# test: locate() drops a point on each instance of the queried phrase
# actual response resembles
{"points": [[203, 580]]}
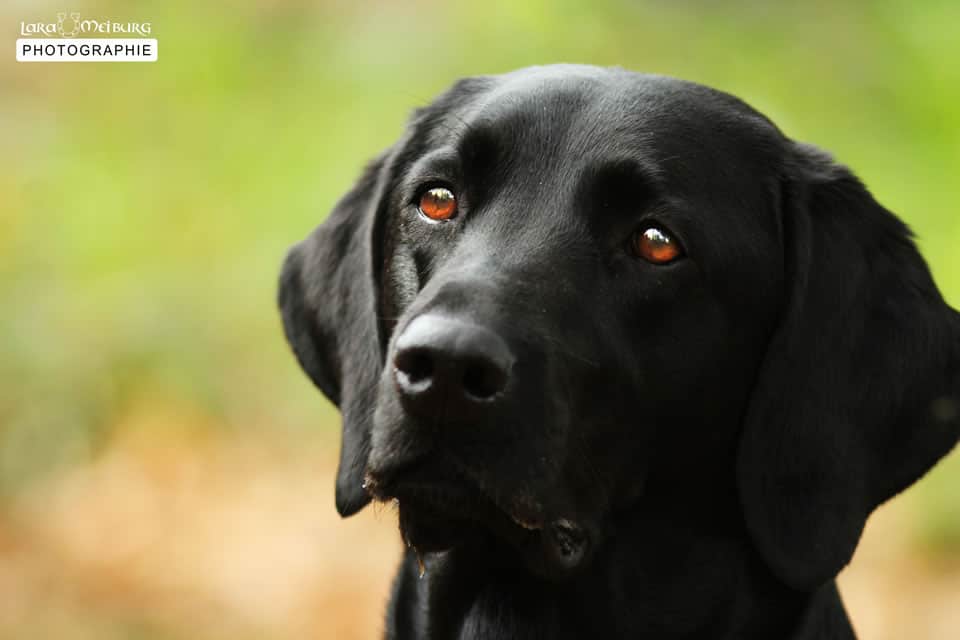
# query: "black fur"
{"points": [[687, 450]]}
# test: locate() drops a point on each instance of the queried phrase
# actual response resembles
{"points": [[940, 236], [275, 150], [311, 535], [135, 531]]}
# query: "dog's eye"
{"points": [[655, 245], [438, 203]]}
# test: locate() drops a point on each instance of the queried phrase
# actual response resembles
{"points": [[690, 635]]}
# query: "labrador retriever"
{"points": [[630, 362]]}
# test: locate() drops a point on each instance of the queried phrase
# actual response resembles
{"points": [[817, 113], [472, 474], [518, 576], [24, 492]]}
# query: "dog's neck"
{"points": [[660, 576]]}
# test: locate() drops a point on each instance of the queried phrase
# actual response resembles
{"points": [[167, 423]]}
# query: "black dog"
{"points": [[632, 363]]}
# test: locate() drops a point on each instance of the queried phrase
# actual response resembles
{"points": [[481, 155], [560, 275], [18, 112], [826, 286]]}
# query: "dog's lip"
{"points": [[412, 481], [431, 492], [552, 546]]}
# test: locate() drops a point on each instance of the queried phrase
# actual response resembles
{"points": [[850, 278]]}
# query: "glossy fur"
{"points": [[710, 434]]}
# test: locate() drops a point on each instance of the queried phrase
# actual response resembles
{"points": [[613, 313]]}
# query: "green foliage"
{"points": [[145, 208]]}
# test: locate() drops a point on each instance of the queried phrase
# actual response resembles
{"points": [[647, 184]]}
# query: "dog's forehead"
{"points": [[596, 114]]}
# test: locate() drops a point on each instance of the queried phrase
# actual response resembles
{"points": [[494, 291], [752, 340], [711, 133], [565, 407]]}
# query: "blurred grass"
{"points": [[145, 208]]}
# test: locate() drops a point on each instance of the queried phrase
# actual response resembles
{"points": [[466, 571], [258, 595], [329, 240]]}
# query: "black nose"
{"points": [[449, 368]]}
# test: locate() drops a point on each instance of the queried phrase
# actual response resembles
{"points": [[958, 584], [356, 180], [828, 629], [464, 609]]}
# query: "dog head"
{"points": [[567, 290]]}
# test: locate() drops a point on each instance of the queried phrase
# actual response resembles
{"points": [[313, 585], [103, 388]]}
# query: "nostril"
{"points": [[483, 380], [417, 364], [448, 367]]}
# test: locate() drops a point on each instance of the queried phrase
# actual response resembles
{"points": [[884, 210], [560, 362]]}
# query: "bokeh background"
{"points": [[166, 471]]}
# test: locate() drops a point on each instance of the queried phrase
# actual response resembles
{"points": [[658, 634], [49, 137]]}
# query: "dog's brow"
{"points": [[479, 146], [623, 181]]}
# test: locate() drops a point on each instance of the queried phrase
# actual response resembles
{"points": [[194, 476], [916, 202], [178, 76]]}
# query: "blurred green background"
{"points": [[145, 209]]}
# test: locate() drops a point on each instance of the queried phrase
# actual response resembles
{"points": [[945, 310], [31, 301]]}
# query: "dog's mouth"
{"points": [[440, 515]]}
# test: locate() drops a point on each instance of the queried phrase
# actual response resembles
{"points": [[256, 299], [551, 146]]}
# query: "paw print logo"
{"points": [[68, 27]]}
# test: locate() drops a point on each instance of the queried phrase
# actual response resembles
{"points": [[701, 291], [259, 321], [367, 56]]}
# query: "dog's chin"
{"points": [[435, 519], [427, 528]]}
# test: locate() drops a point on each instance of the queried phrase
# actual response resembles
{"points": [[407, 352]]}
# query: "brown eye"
{"points": [[655, 245], [438, 203]]}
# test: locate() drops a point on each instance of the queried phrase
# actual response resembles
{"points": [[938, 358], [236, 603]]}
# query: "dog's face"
{"points": [[590, 276], [568, 290]]}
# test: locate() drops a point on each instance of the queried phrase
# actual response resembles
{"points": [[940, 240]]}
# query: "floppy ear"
{"points": [[859, 394], [328, 300]]}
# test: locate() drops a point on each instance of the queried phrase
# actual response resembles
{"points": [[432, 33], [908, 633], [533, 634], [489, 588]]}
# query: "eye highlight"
{"points": [[438, 203], [656, 245]]}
